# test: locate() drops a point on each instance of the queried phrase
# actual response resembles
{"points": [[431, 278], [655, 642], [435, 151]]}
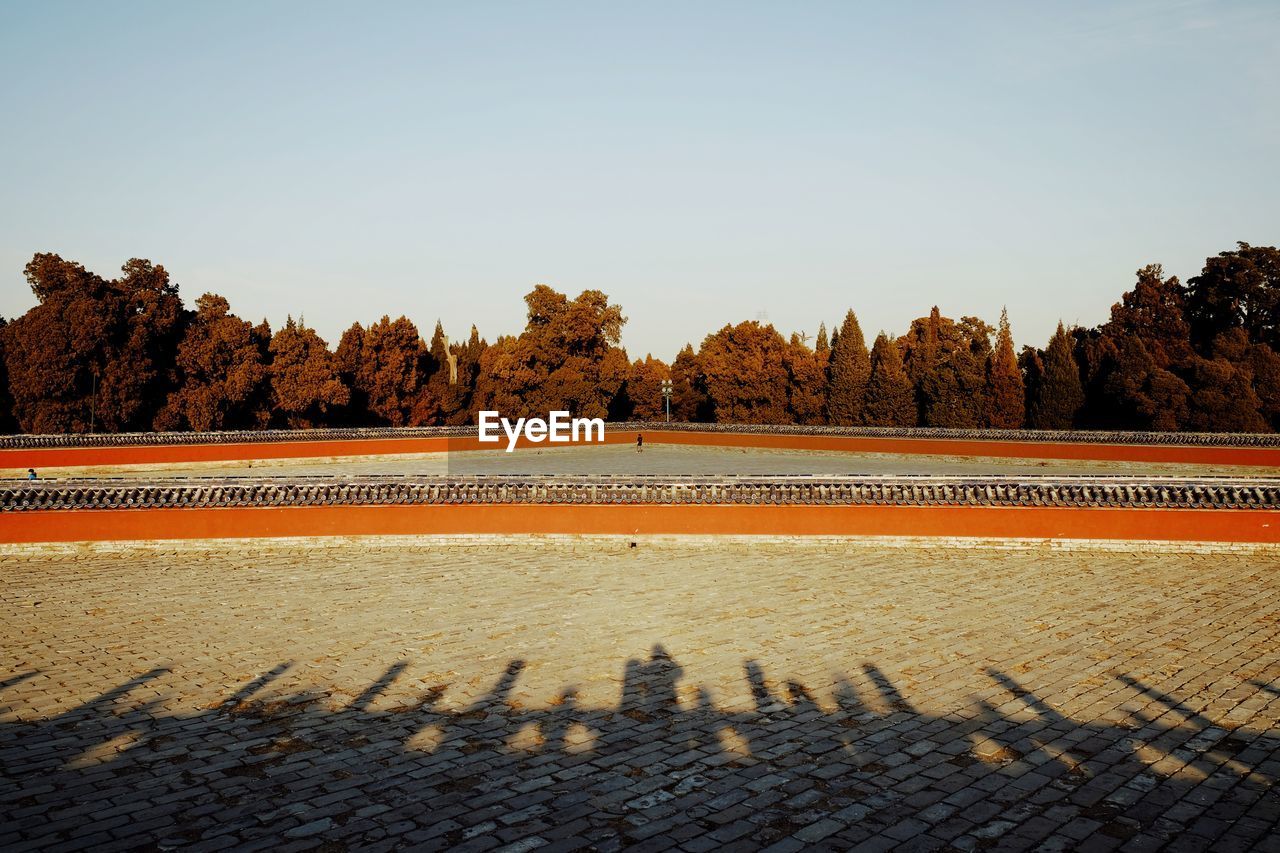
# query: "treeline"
{"points": [[126, 354]]}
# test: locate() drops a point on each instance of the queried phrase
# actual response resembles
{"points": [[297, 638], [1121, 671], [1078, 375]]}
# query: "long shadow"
{"points": [[1273, 689], [651, 773], [245, 693], [18, 679]]}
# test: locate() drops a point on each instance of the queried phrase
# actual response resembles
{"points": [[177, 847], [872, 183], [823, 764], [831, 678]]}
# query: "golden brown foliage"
{"points": [[689, 400], [890, 400], [643, 391], [806, 384], [305, 388], [388, 364], [744, 372], [1005, 396], [566, 359], [94, 353], [222, 372], [123, 354], [946, 362], [848, 372]]}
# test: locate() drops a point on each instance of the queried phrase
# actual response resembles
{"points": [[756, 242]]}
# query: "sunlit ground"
{"points": [[590, 695]]}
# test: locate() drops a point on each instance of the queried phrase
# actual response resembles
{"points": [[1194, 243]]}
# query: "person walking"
{"points": [[639, 442], [31, 474]]}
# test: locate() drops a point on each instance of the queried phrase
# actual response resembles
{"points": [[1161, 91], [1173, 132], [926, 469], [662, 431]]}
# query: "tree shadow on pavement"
{"points": [[1011, 772]]}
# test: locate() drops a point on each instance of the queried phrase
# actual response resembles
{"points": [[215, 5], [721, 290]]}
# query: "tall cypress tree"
{"points": [[849, 372], [937, 392], [440, 397], [1005, 393], [1061, 394], [689, 400], [822, 347], [439, 348], [890, 400]]}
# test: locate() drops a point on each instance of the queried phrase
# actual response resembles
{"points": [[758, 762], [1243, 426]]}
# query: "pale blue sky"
{"points": [[699, 162]]}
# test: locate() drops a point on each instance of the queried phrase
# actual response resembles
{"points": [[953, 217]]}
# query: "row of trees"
{"points": [[126, 354]]}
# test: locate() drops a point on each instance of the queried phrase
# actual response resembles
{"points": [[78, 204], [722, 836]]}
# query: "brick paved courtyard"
{"points": [[592, 697]]}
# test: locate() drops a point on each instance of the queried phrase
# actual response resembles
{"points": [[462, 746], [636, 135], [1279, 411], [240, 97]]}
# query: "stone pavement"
{"points": [[658, 459], [663, 697]]}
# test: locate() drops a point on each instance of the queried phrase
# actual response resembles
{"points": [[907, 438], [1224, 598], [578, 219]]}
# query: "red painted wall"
{"points": [[1179, 525]]}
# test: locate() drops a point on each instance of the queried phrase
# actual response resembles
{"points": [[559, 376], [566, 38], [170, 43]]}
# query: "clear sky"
{"points": [[701, 163]]}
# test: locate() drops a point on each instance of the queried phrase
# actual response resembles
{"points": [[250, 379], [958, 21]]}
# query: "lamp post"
{"points": [[666, 393]]}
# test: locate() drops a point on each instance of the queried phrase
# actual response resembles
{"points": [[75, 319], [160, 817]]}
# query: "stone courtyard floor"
{"points": [[594, 696]]}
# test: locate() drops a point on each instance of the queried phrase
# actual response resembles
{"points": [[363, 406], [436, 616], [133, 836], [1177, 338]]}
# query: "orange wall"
{"points": [[55, 457], [1001, 522]]}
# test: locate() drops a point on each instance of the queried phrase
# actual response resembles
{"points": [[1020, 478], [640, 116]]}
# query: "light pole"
{"points": [[666, 392]]}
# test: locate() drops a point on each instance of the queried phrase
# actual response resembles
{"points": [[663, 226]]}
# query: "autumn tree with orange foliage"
{"points": [[94, 352], [52, 351], [438, 395], [1223, 397], [822, 347], [1143, 369], [1135, 389], [124, 354], [306, 390], [641, 397], [346, 359], [890, 399], [806, 383], [745, 375], [848, 372], [387, 366], [1264, 366], [222, 376], [451, 385], [566, 359], [1005, 396], [1155, 311], [459, 408], [689, 400], [946, 361]]}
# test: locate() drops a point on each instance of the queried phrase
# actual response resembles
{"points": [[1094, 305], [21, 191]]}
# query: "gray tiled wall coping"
{"points": [[819, 490]]}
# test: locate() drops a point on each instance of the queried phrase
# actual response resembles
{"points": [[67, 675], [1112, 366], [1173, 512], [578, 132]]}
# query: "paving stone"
{"points": [[819, 830], [734, 695]]}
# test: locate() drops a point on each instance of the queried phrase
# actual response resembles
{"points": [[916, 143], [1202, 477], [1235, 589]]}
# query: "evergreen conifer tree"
{"points": [[890, 400], [822, 347], [1005, 393], [849, 371], [1061, 393]]}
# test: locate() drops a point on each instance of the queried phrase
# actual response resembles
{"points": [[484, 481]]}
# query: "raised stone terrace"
{"points": [[597, 696]]}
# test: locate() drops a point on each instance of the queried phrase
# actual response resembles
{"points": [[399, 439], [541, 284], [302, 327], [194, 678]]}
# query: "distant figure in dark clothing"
{"points": [[31, 473], [640, 442]]}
